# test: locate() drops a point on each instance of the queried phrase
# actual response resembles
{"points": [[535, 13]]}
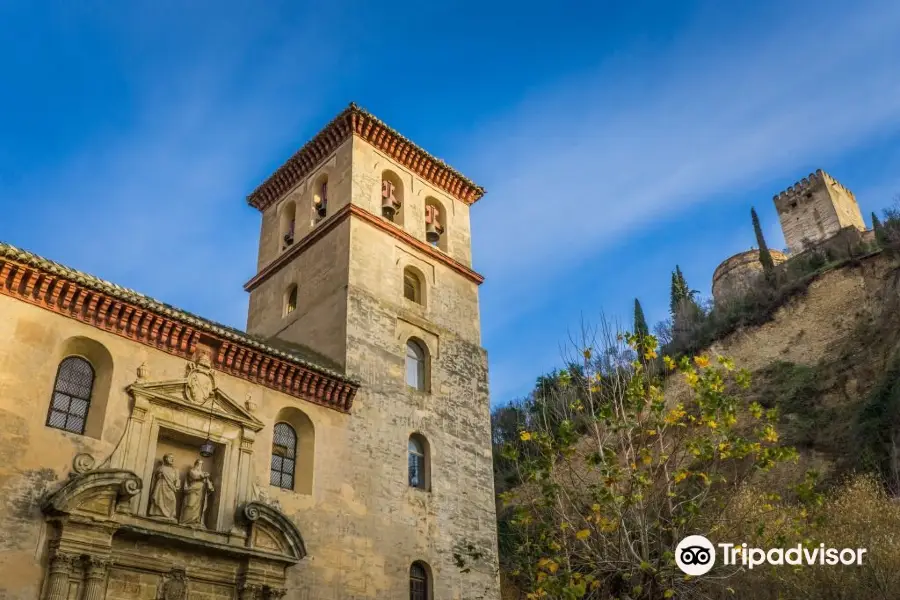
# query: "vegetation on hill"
{"points": [[642, 439]]}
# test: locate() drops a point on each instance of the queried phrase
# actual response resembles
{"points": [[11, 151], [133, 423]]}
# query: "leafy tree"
{"points": [[640, 323], [600, 514], [765, 257]]}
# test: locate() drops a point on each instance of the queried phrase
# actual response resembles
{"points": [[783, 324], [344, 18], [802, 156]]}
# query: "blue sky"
{"points": [[614, 141]]}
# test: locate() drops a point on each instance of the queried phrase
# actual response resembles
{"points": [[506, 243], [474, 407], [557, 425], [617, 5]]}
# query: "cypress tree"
{"points": [[640, 323], [879, 230], [677, 293], [765, 257]]}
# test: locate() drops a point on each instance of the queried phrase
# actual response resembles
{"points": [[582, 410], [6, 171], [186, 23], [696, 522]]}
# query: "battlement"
{"points": [[806, 186], [815, 209]]}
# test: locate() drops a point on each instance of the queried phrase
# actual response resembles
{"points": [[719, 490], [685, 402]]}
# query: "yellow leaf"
{"points": [[670, 364], [583, 534], [669, 594], [587, 354], [650, 354], [525, 436], [680, 476], [701, 361], [712, 424]]}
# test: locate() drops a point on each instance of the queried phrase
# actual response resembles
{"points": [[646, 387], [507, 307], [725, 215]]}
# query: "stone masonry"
{"points": [[76, 521]]}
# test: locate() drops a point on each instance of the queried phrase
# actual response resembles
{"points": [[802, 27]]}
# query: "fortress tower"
{"points": [[815, 209]]}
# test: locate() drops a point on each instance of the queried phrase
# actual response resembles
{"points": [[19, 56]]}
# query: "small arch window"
{"points": [[392, 197], [416, 365], [417, 451], [435, 224], [413, 288], [71, 395], [290, 300], [320, 197], [288, 222], [419, 582], [284, 456]]}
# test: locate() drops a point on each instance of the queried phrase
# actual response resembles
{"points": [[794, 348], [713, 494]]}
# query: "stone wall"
{"points": [[740, 273]]}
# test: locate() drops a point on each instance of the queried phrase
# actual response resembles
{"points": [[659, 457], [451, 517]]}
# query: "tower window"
{"points": [[416, 365], [71, 395], [418, 462], [435, 224], [419, 583], [288, 220], [413, 286], [290, 301], [320, 197], [392, 197], [284, 456]]}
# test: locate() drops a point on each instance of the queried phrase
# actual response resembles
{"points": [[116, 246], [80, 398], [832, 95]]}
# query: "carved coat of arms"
{"points": [[174, 586], [200, 380]]}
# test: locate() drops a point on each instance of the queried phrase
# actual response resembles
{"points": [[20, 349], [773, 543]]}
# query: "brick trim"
{"points": [[390, 228], [75, 297], [356, 121]]}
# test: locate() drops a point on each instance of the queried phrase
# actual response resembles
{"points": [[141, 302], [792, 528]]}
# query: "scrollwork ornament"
{"points": [[83, 463]]}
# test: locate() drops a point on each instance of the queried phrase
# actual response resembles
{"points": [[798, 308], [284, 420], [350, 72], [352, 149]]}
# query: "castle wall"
{"points": [[740, 273]]}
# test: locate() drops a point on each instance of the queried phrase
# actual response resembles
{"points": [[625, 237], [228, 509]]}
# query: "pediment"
{"points": [[184, 394], [96, 492]]}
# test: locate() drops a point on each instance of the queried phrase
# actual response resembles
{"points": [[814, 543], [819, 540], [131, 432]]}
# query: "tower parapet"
{"points": [[814, 209]]}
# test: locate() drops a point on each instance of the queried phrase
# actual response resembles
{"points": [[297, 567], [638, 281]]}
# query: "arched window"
{"points": [[284, 456], [435, 224], [288, 223], [392, 197], [416, 365], [419, 583], [290, 300], [71, 395], [320, 197], [413, 287], [417, 450]]}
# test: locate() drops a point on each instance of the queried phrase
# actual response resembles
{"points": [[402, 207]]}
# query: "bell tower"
{"points": [[365, 262]]}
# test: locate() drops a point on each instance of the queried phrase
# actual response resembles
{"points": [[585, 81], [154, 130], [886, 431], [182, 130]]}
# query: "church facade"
{"points": [[339, 448]]}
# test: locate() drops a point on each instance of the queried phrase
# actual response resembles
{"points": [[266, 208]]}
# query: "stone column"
{"points": [[250, 591], [95, 570], [275, 593], [61, 566]]}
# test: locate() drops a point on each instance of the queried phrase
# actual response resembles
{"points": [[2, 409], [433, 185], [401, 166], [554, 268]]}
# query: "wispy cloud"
{"points": [[647, 136], [158, 204]]}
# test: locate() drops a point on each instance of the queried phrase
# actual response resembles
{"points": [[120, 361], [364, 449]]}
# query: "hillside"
{"points": [[824, 355]]}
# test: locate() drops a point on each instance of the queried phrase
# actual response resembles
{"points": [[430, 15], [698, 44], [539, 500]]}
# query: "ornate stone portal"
{"points": [[149, 523]]}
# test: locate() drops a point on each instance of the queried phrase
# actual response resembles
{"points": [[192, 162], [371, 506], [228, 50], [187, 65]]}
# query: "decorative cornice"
{"points": [[109, 307], [357, 121], [390, 228]]}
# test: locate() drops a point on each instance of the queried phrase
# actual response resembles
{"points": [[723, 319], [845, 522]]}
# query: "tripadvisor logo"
{"points": [[695, 555]]}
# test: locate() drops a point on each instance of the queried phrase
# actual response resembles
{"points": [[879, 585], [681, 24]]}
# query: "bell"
{"points": [[388, 210], [320, 207], [207, 449], [432, 235]]}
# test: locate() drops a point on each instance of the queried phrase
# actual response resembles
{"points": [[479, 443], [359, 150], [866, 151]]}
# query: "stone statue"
{"points": [[197, 489], [163, 499]]}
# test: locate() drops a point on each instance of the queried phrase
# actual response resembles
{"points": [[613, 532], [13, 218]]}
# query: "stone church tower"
{"points": [[339, 449], [365, 257]]}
